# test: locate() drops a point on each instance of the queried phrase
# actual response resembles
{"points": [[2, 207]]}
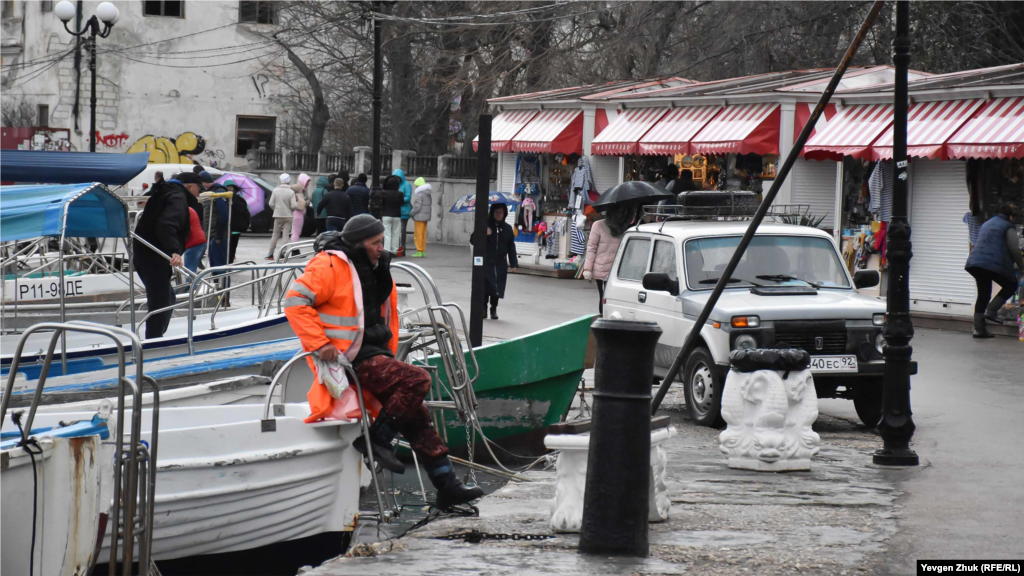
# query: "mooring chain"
{"points": [[476, 536]]}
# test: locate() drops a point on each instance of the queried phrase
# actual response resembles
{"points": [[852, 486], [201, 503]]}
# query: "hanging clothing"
{"points": [[529, 211], [880, 185], [582, 182], [579, 241]]}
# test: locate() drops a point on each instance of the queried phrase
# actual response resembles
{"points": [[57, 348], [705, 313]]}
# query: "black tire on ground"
{"points": [[868, 403], [703, 388]]}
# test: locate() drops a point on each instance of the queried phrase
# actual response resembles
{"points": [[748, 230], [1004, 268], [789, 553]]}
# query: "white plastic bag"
{"points": [[332, 375]]}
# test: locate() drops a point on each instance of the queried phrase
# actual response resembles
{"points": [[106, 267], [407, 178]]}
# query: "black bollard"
{"points": [[617, 499]]}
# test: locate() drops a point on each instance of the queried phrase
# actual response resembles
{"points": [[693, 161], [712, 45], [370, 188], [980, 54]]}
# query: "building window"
{"points": [[254, 133], [260, 12], [44, 115], [8, 8], [164, 8], [46, 5]]}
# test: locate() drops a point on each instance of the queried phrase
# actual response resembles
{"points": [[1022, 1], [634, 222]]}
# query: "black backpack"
{"points": [[239, 214], [376, 205]]}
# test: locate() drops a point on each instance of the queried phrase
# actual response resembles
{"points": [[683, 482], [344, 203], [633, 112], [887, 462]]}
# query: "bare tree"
{"points": [[17, 111]]}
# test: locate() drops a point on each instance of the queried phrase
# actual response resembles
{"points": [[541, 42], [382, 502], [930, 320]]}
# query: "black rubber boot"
{"points": [[992, 311], [450, 490], [980, 330], [382, 433], [494, 312]]}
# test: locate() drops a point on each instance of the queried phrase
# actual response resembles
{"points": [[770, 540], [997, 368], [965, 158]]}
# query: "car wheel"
{"points": [[703, 389], [868, 403]]}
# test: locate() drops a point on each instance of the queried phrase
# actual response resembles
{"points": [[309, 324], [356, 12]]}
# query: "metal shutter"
{"points": [[508, 172], [606, 172], [939, 236], [814, 184]]}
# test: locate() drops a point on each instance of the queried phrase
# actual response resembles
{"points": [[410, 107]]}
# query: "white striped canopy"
{"points": [[743, 129], [621, 136], [672, 134], [996, 131], [552, 131], [929, 125], [850, 133], [504, 127]]}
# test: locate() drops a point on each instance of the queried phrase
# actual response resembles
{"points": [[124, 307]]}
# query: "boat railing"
{"points": [[269, 423], [129, 469]]}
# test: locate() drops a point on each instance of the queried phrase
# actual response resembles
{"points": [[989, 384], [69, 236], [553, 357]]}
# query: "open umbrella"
{"points": [[252, 192], [468, 203], [632, 191]]}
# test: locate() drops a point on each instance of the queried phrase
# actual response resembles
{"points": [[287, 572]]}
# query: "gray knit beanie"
{"points": [[360, 228]]}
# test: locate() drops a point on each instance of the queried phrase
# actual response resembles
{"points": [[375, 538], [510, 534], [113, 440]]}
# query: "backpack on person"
{"points": [[240, 217], [376, 205]]}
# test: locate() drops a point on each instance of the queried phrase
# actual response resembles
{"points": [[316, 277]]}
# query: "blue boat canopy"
{"points": [[43, 167], [38, 210]]}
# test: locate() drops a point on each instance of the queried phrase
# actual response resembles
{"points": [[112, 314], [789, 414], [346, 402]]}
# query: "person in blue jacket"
{"points": [[993, 259], [406, 190]]}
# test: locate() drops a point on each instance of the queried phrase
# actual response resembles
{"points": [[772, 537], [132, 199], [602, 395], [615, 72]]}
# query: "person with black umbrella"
{"points": [[499, 255], [605, 237]]}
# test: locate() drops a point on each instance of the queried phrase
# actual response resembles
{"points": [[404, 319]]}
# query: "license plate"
{"points": [[845, 363]]}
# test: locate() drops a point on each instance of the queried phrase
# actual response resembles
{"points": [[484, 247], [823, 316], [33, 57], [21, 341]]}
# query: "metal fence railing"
{"points": [[465, 167], [268, 160], [334, 163], [303, 161], [422, 166]]}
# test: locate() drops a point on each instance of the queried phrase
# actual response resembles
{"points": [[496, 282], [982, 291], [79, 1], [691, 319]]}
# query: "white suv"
{"points": [[791, 289]]}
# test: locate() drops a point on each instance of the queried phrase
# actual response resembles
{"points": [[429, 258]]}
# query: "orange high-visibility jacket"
{"points": [[325, 306]]}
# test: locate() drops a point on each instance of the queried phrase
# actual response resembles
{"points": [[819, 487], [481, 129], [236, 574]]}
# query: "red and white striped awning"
{"points": [[672, 134], [742, 129], [929, 125], [850, 133], [621, 136], [552, 131], [996, 131], [504, 127]]}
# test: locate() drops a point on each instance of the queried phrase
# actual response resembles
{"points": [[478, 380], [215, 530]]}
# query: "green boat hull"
{"points": [[525, 385]]}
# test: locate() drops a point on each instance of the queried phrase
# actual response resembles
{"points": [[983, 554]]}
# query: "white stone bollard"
{"points": [[769, 419], [571, 482]]}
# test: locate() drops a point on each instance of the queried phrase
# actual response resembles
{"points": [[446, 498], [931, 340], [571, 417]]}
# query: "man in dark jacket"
{"points": [[992, 260], [359, 194], [164, 223], [499, 256], [394, 199], [336, 206]]}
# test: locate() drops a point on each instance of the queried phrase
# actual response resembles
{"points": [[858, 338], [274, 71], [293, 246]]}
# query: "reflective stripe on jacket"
{"points": [[325, 306]]}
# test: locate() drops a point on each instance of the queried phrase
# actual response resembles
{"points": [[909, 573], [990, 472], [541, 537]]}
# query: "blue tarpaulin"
{"points": [[34, 211], [41, 167], [468, 203]]}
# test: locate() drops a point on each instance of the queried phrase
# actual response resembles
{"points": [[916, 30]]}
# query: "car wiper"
{"points": [[730, 281], [786, 277]]}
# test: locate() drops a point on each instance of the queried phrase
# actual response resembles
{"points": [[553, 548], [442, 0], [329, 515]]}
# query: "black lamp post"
{"points": [[106, 13], [378, 88], [897, 425]]}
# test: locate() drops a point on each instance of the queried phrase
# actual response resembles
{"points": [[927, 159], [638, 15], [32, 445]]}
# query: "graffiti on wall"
{"points": [[112, 140], [164, 150]]}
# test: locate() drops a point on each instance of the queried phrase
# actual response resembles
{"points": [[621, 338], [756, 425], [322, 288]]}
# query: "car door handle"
{"points": [[641, 297]]}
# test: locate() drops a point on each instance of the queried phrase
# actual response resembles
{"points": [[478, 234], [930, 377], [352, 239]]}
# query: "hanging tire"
{"points": [[703, 388], [868, 403]]}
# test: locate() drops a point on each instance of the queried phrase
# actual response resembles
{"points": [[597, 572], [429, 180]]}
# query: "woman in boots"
{"points": [[993, 259], [499, 256]]}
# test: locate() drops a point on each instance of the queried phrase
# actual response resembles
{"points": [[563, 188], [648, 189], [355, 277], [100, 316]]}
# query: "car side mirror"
{"points": [[866, 278], [661, 281]]}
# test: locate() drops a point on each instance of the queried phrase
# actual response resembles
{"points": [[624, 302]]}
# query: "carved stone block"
{"points": [[769, 419], [571, 482]]}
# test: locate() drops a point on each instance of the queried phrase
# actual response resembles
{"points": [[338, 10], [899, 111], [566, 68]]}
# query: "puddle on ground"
{"points": [[716, 538]]}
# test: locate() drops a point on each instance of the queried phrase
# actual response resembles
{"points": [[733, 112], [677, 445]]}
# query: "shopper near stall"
{"points": [[605, 236], [993, 259], [499, 255]]}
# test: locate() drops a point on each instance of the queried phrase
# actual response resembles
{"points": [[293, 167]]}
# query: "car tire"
{"points": [[868, 403], [703, 389]]}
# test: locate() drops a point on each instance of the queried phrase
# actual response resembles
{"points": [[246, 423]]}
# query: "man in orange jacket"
{"points": [[345, 303]]}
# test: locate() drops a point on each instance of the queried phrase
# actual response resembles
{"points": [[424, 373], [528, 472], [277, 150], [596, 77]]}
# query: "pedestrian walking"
{"points": [[359, 194], [605, 236], [499, 255], [164, 223], [993, 259], [301, 203], [336, 205], [421, 216], [282, 201], [322, 186], [215, 215], [240, 217], [406, 190], [391, 214]]}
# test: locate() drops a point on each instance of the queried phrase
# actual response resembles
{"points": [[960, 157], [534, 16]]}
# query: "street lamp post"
{"points": [[897, 425], [106, 13]]}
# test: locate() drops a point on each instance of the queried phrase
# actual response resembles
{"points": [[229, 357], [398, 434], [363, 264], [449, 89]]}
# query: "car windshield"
{"points": [[768, 261]]}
